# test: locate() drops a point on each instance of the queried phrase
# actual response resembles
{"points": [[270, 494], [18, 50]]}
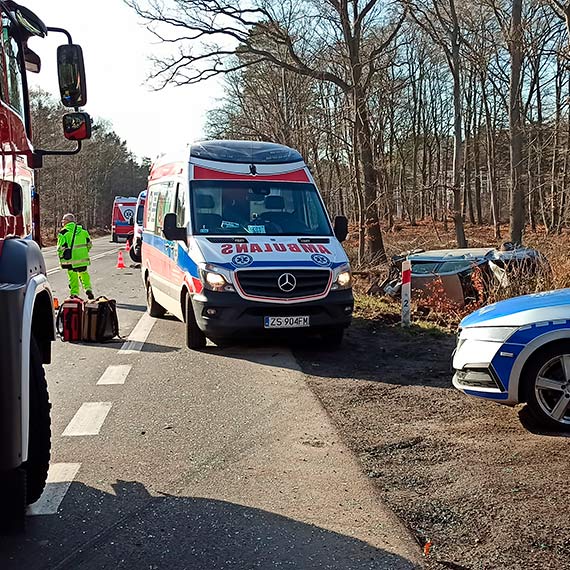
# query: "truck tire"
{"points": [[195, 338], [39, 445], [153, 308]]}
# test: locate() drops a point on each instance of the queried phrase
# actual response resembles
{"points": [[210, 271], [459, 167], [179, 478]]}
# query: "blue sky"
{"points": [[116, 48]]}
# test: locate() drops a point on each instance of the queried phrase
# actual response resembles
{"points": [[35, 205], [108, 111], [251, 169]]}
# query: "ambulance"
{"points": [[123, 217], [237, 242]]}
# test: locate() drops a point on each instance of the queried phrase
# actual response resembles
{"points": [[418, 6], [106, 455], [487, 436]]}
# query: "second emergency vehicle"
{"points": [[237, 241], [123, 218]]}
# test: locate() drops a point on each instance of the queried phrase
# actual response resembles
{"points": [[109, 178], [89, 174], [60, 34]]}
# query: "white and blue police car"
{"points": [[517, 351]]}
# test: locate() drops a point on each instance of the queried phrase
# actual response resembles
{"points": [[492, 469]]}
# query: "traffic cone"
{"points": [[120, 261], [55, 303], [128, 246]]}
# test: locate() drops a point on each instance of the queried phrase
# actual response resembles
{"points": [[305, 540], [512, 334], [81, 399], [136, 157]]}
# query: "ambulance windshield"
{"points": [[224, 207]]}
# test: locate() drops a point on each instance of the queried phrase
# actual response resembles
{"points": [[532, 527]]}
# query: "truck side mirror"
{"points": [[340, 228], [15, 199], [77, 126], [171, 230], [71, 74]]}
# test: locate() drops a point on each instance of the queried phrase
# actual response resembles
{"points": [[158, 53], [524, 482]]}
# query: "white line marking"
{"points": [[115, 374], [138, 336], [94, 258], [60, 477], [88, 420]]}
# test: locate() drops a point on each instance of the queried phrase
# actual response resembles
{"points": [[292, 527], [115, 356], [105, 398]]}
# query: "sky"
{"points": [[116, 47]]}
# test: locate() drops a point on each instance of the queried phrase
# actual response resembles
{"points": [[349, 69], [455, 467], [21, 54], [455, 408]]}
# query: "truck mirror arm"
{"points": [[37, 157]]}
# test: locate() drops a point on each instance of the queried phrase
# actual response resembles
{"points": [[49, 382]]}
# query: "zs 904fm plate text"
{"points": [[286, 322]]}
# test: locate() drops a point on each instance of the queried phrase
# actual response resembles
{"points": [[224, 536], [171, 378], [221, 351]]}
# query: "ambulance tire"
{"points": [[195, 338], [153, 308], [332, 338], [135, 254], [114, 237], [39, 445]]}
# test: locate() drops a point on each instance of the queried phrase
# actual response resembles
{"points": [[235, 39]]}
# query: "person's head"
{"points": [[67, 218]]}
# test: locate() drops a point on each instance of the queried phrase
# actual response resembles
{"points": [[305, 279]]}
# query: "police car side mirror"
{"points": [[71, 75], [340, 228], [171, 230]]}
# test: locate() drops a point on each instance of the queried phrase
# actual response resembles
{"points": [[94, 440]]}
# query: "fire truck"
{"points": [[26, 304]]}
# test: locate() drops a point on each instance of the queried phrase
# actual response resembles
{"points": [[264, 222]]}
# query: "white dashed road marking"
{"points": [[94, 258], [89, 419], [138, 337], [115, 374], [60, 477]]}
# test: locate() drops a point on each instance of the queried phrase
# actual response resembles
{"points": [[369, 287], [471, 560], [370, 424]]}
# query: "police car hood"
{"points": [[520, 311], [261, 251]]}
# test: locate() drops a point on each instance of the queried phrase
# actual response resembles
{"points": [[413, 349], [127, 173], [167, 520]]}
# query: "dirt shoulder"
{"points": [[473, 477]]}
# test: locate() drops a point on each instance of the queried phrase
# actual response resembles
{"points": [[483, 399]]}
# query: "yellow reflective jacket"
{"points": [[79, 251]]}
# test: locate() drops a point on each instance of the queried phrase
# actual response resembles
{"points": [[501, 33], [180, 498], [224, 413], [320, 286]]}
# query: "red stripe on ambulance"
{"points": [[201, 173]]}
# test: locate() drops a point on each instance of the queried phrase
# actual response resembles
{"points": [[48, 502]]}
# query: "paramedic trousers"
{"points": [[74, 277]]}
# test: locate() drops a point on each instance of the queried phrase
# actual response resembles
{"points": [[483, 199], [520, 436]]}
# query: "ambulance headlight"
{"points": [[343, 280], [215, 281]]}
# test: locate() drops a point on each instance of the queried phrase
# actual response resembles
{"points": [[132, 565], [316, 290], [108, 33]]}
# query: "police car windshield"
{"points": [[258, 207]]}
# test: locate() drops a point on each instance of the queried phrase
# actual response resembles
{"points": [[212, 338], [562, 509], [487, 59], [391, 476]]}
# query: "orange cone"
{"points": [[55, 303], [128, 246], [120, 261]]}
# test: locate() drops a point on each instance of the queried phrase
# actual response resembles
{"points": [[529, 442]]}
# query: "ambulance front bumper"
{"points": [[227, 314]]}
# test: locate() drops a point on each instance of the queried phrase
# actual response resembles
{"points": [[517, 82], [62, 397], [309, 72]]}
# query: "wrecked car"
{"points": [[450, 272]]}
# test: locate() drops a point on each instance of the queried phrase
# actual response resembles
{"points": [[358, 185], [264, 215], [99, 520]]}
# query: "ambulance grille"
{"points": [[265, 283]]}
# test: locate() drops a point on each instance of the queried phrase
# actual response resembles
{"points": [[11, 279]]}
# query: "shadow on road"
{"points": [[370, 351], [130, 529]]}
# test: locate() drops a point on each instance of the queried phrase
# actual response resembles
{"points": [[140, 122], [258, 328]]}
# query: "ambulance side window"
{"points": [[164, 204], [181, 210], [153, 196]]}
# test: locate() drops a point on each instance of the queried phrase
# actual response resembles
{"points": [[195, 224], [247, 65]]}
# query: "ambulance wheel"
{"points": [[195, 338], [332, 338], [39, 445], [153, 308], [114, 237], [135, 254]]}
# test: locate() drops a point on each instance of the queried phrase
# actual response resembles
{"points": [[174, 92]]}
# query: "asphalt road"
{"points": [[169, 459]]}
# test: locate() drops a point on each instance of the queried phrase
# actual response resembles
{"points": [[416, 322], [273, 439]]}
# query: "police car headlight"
{"points": [[343, 280], [491, 334]]}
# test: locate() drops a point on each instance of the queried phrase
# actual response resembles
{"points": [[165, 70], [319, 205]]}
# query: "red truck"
{"points": [[26, 305]]}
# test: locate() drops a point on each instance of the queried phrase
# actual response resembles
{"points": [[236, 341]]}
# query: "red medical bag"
{"points": [[70, 319]]}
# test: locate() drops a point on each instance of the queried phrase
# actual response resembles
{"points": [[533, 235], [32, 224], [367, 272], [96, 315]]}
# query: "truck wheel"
{"points": [[332, 338], [547, 386], [39, 445], [195, 338], [153, 308]]}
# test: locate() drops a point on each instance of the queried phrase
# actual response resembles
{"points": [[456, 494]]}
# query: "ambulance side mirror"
{"points": [[71, 75], [340, 228], [171, 230]]}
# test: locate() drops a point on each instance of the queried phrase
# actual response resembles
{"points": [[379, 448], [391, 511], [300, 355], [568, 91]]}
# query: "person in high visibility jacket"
{"points": [[73, 246]]}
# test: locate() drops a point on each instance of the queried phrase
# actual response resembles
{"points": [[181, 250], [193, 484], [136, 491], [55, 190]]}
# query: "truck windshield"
{"points": [[257, 207]]}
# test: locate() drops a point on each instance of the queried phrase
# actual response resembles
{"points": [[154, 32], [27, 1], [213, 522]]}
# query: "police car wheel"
{"points": [[195, 338], [547, 386], [154, 309], [39, 446]]}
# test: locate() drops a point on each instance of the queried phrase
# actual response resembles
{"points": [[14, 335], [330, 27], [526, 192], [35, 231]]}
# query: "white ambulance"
{"points": [[237, 242]]}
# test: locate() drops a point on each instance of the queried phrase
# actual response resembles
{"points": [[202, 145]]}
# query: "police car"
{"points": [[516, 351]]}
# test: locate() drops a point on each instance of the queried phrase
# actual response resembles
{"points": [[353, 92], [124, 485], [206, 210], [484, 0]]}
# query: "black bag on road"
{"points": [[100, 320]]}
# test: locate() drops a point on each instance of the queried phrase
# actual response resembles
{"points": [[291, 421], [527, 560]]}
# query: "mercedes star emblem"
{"points": [[287, 282]]}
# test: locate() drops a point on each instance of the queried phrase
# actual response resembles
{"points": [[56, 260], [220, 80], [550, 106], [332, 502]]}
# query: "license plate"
{"points": [[286, 322]]}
